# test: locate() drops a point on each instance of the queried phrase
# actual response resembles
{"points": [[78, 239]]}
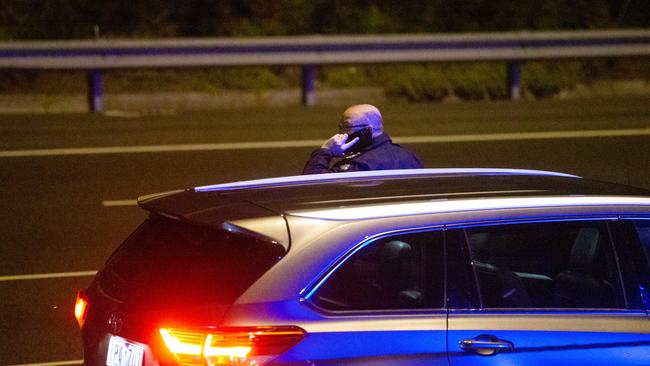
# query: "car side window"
{"points": [[396, 272], [643, 230], [546, 265]]}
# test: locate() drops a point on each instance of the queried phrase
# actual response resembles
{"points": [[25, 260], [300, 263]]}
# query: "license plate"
{"points": [[123, 353]]}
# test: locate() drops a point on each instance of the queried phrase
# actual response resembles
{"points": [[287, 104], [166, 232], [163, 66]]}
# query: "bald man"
{"points": [[361, 144]]}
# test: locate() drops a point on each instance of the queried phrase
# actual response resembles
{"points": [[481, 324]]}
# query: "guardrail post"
{"points": [[514, 79], [308, 85], [95, 103]]}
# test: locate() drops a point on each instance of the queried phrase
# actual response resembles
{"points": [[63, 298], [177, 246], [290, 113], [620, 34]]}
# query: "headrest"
{"points": [[586, 248], [395, 249], [395, 268]]}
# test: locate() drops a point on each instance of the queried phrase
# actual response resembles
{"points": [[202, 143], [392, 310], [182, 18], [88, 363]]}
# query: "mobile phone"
{"points": [[365, 140]]}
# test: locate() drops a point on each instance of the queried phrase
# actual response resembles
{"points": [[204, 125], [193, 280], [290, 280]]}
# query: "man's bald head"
{"points": [[363, 114]]}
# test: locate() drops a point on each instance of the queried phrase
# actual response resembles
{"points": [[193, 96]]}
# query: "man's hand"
{"points": [[337, 144]]}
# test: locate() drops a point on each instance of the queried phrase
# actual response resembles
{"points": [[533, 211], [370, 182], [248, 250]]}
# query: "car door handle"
{"points": [[486, 345]]}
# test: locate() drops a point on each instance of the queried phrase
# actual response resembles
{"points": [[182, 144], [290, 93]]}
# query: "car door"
{"points": [[545, 293], [382, 304]]}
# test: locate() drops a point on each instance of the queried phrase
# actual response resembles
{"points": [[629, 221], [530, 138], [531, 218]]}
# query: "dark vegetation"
{"points": [[87, 19]]}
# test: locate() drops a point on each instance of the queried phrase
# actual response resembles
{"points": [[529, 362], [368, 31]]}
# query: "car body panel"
{"points": [[366, 212], [272, 228], [557, 338], [371, 348], [353, 338]]}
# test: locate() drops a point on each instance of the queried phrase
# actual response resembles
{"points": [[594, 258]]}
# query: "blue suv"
{"points": [[410, 267]]}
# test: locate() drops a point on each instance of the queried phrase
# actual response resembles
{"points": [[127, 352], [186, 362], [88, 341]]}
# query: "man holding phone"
{"points": [[361, 144]]}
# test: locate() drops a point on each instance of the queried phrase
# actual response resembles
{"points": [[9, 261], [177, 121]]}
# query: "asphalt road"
{"points": [[66, 213]]}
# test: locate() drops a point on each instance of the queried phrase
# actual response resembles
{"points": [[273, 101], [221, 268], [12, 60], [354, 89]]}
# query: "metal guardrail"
{"points": [[311, 51]]}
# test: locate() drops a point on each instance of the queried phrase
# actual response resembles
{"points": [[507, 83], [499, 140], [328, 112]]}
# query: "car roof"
{"points": [[326, 192]]}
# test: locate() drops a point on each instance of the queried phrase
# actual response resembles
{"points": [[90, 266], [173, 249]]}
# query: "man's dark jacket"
{"points": [[381, 155]]}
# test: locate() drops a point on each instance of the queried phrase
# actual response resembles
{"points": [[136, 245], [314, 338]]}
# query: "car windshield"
{"points": [[174, 263]]}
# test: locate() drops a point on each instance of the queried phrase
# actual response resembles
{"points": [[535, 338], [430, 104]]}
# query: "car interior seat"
{"points": [[499, 287], [582, 284], [396, 275]]}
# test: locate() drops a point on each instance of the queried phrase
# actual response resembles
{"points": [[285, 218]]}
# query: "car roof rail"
{"points": [[397, 173], [375, 211]]}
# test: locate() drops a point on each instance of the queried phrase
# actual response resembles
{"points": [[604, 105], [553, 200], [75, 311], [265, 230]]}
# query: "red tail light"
{"points": [[81, 308], [229, 346]]}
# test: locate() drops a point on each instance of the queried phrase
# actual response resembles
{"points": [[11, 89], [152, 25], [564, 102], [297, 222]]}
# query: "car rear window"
{"points": [[398, 272], [177, 263]]}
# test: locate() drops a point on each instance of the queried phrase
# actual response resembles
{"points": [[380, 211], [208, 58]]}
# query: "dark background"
{"points": [[51, 214], [64, 19]]}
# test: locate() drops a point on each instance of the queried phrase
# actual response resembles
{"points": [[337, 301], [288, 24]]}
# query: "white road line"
{"points": [[40, 276], [525, 136], [160, 148], [55, 363], [509, 136], [118, 203]]}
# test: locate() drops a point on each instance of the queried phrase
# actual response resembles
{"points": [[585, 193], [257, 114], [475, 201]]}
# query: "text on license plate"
{"points": [[123, 353]]}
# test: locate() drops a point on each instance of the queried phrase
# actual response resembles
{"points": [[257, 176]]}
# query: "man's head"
{"points": [[360, 116]]}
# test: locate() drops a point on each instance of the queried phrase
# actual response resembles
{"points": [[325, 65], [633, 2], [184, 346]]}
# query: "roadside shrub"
{"points": [[343, 76], [31, 81], [544, 79], [415, 83], [477, 81], [154, 80], [631, 68], [192, 80], [408, 82], [434, 82], [244, 78]]}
